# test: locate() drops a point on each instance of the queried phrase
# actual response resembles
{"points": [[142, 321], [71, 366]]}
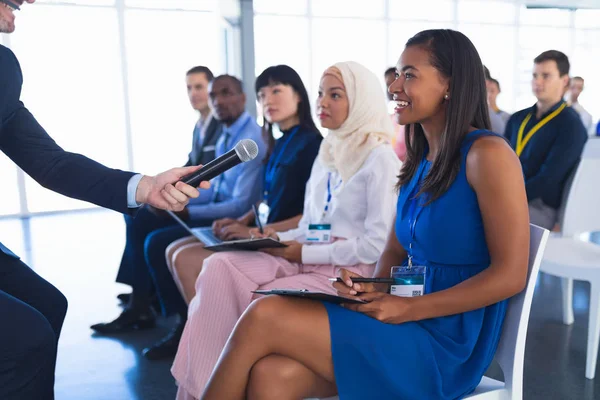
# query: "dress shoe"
{"points": [[124, 298], [129, 320], [167, 346]]}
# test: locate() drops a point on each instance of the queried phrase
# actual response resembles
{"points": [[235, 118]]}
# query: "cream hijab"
{"points": [[368, 124]]}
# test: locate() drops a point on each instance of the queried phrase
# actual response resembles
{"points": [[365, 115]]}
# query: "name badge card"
{"points": [[408, 281], [319, 233]]}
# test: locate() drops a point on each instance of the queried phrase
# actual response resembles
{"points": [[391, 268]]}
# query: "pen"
{"points": [[364, 280], [257, 220]]}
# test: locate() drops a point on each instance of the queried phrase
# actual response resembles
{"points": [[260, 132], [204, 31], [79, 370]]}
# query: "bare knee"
{"points": [[186, 261], [266, 312], [272, 378], [173, 247]]}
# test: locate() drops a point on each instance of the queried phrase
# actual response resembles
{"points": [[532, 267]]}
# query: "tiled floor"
{"points": [[80, 252]]}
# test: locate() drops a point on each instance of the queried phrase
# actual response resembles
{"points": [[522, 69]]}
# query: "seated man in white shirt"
{"points": [[575, 88]]}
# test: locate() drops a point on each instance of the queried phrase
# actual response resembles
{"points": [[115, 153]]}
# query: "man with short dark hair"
{"points": [[575, 88], [207, 129], [548, 138]]}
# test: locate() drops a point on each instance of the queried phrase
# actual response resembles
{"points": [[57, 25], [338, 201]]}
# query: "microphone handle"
{"points": [[212, 169]]}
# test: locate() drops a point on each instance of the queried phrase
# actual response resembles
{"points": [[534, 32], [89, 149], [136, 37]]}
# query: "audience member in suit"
{"points": [[461, 213], [351, 188], [493, 90], [207, 129], [31, 309], [548, 138], [284, 101], [205, 136], [232, 193], [576, 86]]}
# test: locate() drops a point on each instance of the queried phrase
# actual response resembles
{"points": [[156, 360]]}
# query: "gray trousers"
{"points": [[542, 215]]}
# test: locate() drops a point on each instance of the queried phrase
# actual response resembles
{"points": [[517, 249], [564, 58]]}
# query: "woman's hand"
{"points": [[384, 307], [222, 223], [267, 233], [292, 253], [234, 231], [347, 287]]}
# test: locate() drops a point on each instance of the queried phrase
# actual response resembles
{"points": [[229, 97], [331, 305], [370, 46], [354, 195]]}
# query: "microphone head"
{"points": [[246, 149]]}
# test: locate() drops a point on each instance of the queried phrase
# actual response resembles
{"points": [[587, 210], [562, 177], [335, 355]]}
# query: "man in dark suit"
{"points": [[31, 309], [208, 129], [204, 139]]}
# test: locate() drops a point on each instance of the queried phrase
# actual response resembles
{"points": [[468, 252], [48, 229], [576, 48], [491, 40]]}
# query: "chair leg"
{"points": [[567, 301], [593, 331]]}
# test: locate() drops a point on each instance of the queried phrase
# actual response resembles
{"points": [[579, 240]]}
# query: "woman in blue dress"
{"points": [[462, 213]]}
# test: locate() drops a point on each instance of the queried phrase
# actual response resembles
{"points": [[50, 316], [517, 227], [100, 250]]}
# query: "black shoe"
{"points": [[167, 346], [128, 321], [124, 298]]}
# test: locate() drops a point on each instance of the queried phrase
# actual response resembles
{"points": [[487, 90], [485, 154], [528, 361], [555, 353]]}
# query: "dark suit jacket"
{"points": [[204, 152], [25, 142]]}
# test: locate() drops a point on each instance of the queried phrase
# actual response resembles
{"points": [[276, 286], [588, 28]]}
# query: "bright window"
{"points": [[349, 8], [272, 48], [495, 12], [426, 10], [287, 7], [162, 120], [73, 86], [335, 40]]}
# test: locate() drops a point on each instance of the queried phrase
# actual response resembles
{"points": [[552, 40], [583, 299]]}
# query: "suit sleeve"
{"points": [[25, 142]]}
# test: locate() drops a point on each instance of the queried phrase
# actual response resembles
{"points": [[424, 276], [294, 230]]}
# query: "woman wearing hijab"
{"points": [[350, 195]]}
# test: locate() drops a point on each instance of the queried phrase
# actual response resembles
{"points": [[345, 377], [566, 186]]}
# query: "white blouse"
{"points": [[361, 211]]}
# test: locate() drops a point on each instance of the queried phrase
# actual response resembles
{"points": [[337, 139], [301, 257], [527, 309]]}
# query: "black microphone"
{"points": [[244, 151]]}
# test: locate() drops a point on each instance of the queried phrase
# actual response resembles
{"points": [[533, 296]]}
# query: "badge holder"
{"points": [[408, 281]]}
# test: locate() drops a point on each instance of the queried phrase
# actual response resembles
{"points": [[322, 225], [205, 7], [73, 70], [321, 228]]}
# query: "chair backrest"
{"points": [[511, 348], [582, 213]]}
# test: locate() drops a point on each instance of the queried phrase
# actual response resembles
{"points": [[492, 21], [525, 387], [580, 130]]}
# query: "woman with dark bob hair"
{"points": [[462, 227]]}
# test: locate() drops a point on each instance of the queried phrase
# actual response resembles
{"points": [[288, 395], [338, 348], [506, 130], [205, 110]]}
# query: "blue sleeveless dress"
{"points": [[440, 358]]}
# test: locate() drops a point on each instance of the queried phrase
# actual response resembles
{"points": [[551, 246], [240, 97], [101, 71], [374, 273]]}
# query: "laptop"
{"points": [[211, 242], [205, 235]]}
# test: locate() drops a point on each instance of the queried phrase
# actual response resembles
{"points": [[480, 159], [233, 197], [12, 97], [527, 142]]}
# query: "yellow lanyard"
{"points": [[522, 142]]}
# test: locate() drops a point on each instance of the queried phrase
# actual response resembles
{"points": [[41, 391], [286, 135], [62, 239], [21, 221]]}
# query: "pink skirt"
{"points": [[223, 292]]}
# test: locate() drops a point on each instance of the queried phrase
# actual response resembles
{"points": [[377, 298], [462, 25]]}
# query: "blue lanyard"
{"points": [[329, 195], [414, 212], [274, 161]]}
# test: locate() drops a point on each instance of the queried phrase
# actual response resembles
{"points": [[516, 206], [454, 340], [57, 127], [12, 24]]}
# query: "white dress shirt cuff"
{"points": [[132, 186], [316, 254]]}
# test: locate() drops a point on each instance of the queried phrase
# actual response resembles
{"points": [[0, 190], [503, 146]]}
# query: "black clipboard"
{"points": [[246, 245], [306, 294]]}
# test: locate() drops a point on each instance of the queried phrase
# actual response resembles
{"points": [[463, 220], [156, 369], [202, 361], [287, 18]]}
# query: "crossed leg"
{"points": [[280, 348]]}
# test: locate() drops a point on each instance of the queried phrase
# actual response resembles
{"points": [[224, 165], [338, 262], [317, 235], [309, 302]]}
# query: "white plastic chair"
{"points": [[511, 348], [569, 257]]}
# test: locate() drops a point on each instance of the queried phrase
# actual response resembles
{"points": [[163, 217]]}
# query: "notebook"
{"points": [[306, 294]]}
